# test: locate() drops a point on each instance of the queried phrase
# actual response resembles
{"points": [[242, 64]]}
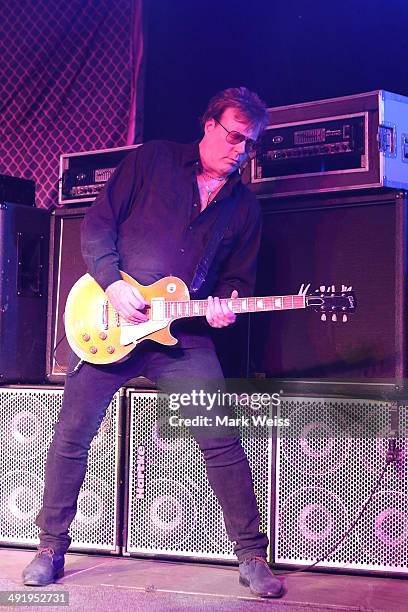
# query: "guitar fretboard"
{"points": [[197, 308]]}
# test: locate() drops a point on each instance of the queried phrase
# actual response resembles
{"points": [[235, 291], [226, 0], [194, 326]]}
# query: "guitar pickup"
{"points": [[157, 309]]}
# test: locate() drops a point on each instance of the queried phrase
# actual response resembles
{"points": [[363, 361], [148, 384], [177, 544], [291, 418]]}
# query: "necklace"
{"points": [[211, 190], [213, 178]]}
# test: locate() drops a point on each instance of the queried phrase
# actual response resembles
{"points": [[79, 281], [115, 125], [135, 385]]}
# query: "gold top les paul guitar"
{"points": [[99, 335]]}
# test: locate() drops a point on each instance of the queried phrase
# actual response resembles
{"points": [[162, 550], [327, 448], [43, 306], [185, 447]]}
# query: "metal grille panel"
{"points": [[180, 515], [328, 460], [27, 417]]}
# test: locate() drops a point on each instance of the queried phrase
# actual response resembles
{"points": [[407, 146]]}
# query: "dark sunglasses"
{"points": [[234, 137]]}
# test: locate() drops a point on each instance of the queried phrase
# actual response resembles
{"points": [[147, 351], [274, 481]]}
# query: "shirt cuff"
{"points": [[108, 277]]}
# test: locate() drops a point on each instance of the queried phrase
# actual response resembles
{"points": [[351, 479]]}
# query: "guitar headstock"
{"points": [[331, 304]]}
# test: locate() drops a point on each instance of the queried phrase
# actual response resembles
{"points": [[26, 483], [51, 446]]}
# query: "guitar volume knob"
{"points": [[93, 350], [103, 335], [86, 337], [110, 349]]}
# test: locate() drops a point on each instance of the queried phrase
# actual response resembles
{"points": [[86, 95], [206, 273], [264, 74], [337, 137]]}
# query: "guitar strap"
{"points": [[205, 262]]}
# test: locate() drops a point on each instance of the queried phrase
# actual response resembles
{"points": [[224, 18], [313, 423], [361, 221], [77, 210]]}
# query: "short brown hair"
{"points": [[247, 103]]}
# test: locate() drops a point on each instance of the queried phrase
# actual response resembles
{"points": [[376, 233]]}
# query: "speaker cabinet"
{"points": [[24, 240], [171, 510], [327, 463], [357, 240], [66, 267], [27, 417]]}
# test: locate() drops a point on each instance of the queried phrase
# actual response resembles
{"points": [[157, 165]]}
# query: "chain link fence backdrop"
{"points": [[70, 79]]}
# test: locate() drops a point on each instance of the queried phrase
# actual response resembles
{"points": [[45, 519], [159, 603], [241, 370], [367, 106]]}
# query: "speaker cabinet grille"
{"points": [[328, 461], [179, 514], [27, 418]]}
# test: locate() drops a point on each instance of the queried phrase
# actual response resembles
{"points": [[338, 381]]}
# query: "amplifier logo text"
{"points": [[140, 472]]}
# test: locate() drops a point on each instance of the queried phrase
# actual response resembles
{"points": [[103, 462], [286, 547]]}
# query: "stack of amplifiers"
{"points": [[27, 418], [83, 175], [354, 142], [311, 480]]}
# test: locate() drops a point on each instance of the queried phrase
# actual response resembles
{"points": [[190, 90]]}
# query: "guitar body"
{"points": [[98, 335]]}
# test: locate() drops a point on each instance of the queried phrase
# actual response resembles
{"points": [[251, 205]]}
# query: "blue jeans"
{"points": [[87, 395]]}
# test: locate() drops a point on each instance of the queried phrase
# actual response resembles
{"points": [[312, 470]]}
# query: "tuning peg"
{"points": [[333, 288], [349, 288], [343, 288], [322, 288], [323, 317], [344, 319], [334, 317], [304, 289]]}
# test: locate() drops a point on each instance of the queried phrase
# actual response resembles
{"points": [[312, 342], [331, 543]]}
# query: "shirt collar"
{"points": [[191, 153], [191, 156]]}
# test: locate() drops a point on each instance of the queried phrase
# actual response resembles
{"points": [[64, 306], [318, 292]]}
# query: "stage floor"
{"points": [[120, 583]]}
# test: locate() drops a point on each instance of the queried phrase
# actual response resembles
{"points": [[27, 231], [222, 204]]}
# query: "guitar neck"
{"points": [[197, 308]]}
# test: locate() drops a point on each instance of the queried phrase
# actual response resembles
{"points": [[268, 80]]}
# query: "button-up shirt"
{"points": [[147, 222]]}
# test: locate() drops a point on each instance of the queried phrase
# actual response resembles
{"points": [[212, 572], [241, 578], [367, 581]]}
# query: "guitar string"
{"points": [[202, 305]]}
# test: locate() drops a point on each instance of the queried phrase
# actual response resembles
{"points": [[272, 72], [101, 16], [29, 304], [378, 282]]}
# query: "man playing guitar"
{"points": [[155, 219]]}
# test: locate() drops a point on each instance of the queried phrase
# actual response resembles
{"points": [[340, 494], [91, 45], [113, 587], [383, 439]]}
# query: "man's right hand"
{"points": [[127, 300]]}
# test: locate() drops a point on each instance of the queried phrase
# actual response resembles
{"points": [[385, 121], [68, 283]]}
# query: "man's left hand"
{"points": [[218, 314]]}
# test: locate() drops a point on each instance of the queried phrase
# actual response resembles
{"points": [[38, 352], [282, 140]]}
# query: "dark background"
{"points": [[288, 51]]}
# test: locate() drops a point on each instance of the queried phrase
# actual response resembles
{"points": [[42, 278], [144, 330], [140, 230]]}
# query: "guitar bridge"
{"points": [[105, 315]]}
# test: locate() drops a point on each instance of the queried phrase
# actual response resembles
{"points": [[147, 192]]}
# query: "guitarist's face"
{"points": [[221, 154]]}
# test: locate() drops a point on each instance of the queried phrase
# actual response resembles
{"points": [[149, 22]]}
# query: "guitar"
{"points": [[99, 335]]}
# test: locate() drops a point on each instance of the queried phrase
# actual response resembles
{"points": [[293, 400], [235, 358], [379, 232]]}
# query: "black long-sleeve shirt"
{"points": [[147, 222]]}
